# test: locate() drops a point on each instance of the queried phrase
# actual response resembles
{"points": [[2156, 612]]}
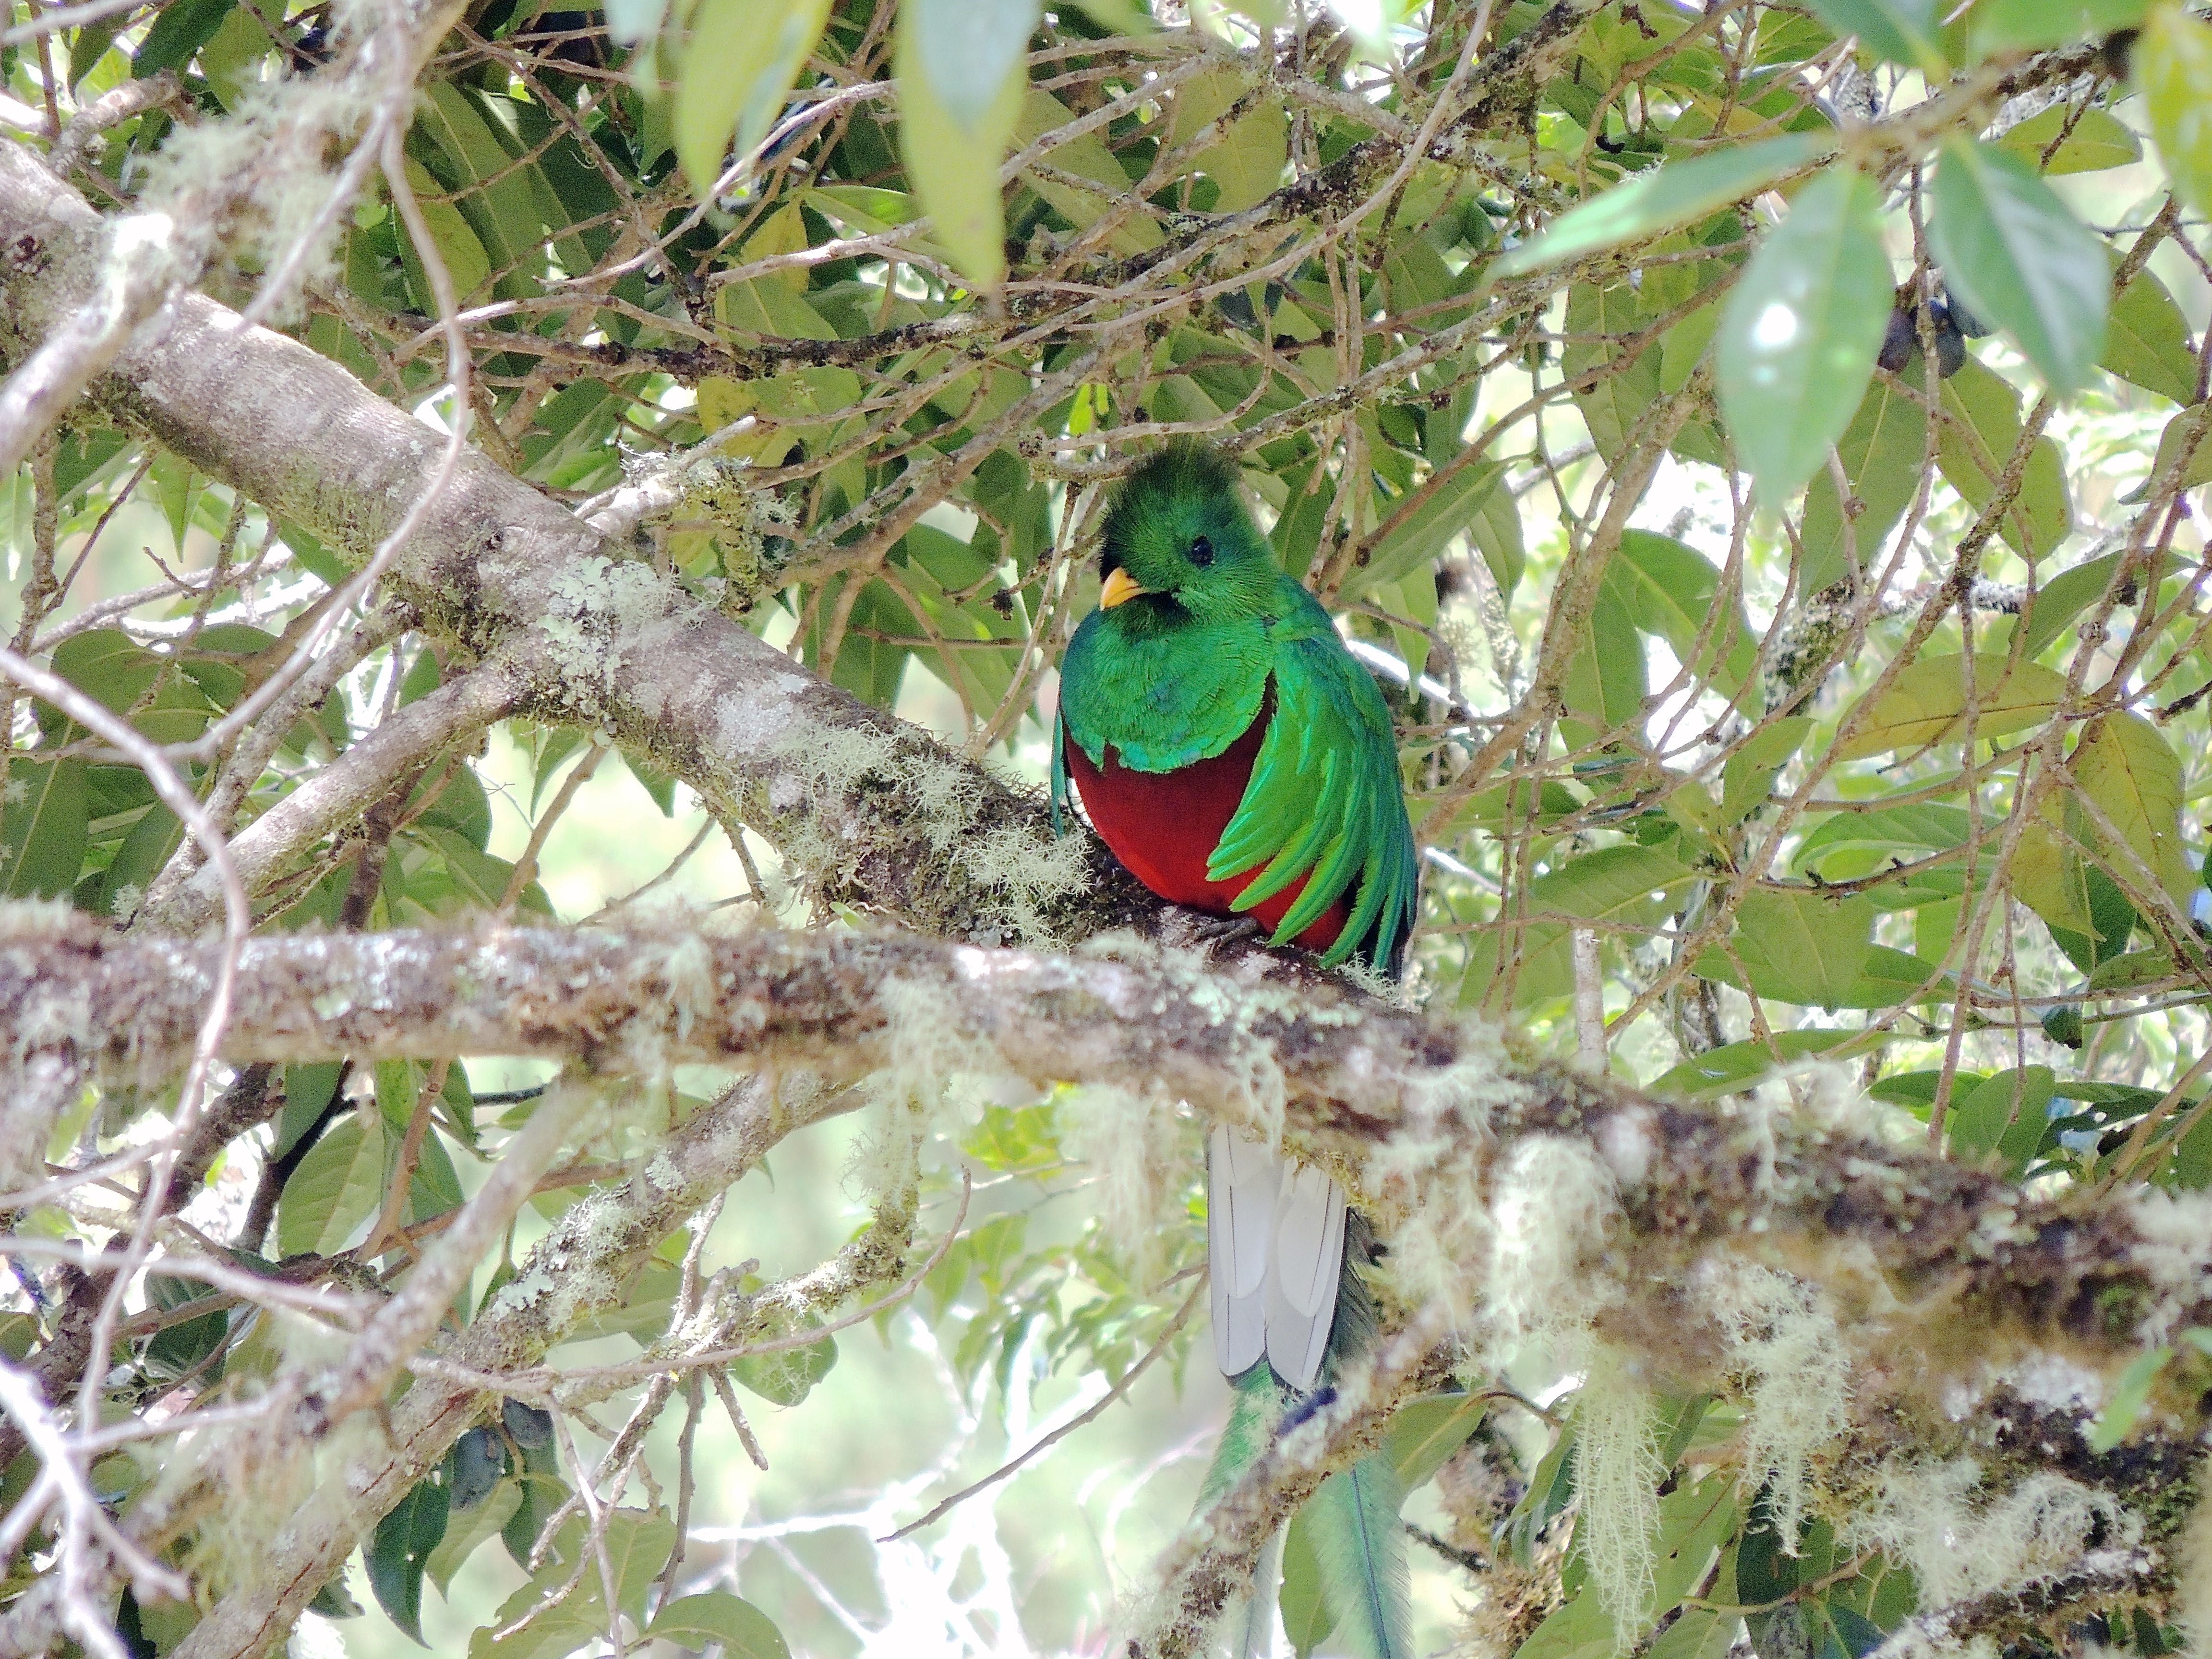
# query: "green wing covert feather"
{"points": [[1325, 802]]}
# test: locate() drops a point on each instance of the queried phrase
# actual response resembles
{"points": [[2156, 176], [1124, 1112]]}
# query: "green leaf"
{"points": [[2063, 598], [1898, 31], [1882, 451], [2130, 1395], [108, 665], [2004, 1117], [1246, 159], [1737, 1065], [1796, 946], [465, 260], [1605, 680], [1579, 1630], [637, 1547], [1749, 772], [788, 1377], [1597, 317], [2030, 25], [2173, 66], [1976, 443], [1798, 345], [2132, 774], [180, 31], [743, 1631], [1926, 703], [1868, 840], [2020, 260], [1669, 589], [1614, 885], [2180, 429], [1307, 1620], [743, 57], [1648, 202], [338, 1185], [2098, 141], [469, 1530], [1423, 1434], [962, 84], [2147, 341], [1422, 536], [1087, 157], [397, 1552], [44, 807]]}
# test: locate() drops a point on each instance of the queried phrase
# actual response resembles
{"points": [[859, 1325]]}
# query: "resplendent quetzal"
{"points": [[1238, 760]]}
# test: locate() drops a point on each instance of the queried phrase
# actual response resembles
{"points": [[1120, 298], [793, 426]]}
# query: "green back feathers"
{"points": [[1177, 674]]}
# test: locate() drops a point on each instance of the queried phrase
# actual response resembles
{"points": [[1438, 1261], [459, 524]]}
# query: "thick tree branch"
{"points": [[1443, 1130]]}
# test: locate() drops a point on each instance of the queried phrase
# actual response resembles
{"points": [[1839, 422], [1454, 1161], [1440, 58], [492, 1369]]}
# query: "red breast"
{"points": [[1164, 825]]}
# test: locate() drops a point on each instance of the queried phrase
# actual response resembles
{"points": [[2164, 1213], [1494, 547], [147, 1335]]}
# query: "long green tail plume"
{"points": [[1351, 1522]]}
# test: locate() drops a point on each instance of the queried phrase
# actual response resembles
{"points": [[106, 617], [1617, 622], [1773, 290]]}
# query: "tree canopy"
{"points": [[535, 976]]}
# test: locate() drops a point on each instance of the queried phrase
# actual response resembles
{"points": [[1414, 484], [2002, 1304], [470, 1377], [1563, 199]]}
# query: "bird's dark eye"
{"points": [[1201, 552]]}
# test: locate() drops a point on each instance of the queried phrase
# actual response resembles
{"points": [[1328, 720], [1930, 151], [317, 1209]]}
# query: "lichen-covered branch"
{"points": [[1456, 1142]]}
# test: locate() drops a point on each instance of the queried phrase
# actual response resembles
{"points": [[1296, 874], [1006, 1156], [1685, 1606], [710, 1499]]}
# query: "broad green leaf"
{"points": [[1899, 30], [2098, 141], [1598, 317], [2051, 878], [1246, 159], [1675, 194], [1682, 348], [2181, 428], [637, 1547], [2029, 25], [44, 806], [2173, 66], [743, 1631], [138, 860], [1699, 1633], [1606, 683], [1423, 1434], [2020, 260], [466, 262], [2148, 342], [1749, 772], [1974, 446], [2004, 1117], [1796, 347], [1850, 844], [1926, 703], [338, 1185], [180, 31], [1669, 589], [1087, 157], [962, 85], [1618, 884], [743, 57], [397, 1550], [492, 192], [2112, 921], [1421, 537], [787, 1376], [2130, 1395], [1738, 1065], [468, 1530], [2132, 774], [108, 665], [1579, 1630], [1796, 946], [1882, 451], [1307, 1620]]}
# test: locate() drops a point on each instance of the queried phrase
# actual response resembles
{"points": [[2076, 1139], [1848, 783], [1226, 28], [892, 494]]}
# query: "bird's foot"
{"points": [[1196, 930]]}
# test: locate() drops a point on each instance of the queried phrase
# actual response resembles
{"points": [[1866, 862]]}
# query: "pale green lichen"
{"points": [[596, 611], [1617, 1476], [1782, 1336], [2174, 1247], [1962, 1541], [1017, 872]]}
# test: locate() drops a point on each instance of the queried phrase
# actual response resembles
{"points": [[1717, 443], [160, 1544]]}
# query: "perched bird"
{"points": [[1238, 760]]}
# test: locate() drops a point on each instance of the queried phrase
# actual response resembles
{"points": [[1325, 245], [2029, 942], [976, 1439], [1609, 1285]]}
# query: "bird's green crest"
{"points": [[1177, 527]]}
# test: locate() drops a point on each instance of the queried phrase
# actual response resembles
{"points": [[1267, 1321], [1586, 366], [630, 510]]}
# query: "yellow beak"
{"points": [[1119, 587]]}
